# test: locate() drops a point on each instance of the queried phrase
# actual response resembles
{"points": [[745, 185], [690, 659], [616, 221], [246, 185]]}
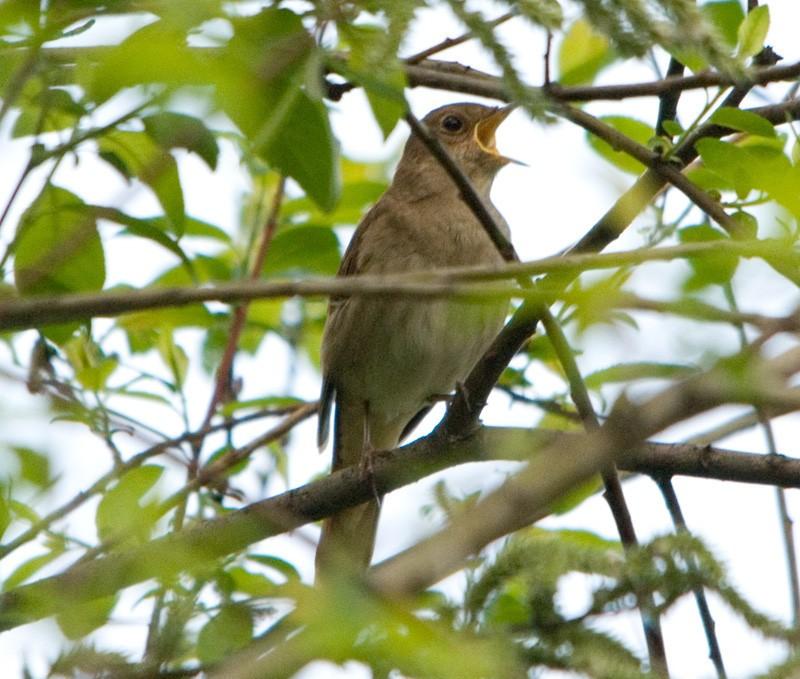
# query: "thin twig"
{"points": [[223, 374], [455, 77], [613, 494], [452, 42], [709, 627], [557, 466], [784, 518], [136, 461]]}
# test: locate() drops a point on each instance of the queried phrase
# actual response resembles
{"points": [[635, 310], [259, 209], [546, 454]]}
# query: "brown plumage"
{"points": [[384, 359]]}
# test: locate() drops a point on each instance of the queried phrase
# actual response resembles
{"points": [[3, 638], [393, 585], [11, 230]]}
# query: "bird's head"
{"points": [[467, 131]]}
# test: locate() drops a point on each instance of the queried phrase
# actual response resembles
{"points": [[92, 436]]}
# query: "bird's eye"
{"points": [[452, 123]]}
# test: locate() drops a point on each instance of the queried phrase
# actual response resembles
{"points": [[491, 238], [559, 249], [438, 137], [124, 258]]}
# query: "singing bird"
{"points": [[385, 359]]}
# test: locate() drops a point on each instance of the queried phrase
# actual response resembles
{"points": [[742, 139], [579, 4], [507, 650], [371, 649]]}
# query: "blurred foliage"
{"points": [[207, 80]]}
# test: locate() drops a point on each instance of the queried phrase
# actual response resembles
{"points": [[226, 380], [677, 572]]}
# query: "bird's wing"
{"points": [[350, 266]]}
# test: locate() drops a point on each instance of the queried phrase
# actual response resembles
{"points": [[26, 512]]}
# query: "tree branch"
{"points": [[561, 461], [32, 312], [527, 496]]}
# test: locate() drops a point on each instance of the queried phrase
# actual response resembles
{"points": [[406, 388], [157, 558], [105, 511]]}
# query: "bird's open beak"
{"points": [[486, 128]]}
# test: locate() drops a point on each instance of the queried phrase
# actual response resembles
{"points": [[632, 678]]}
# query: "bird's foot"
{"points": [[463, 392], [366, 470]]}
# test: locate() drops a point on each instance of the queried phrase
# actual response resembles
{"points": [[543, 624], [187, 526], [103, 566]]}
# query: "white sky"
{"points": [[548, 205]]}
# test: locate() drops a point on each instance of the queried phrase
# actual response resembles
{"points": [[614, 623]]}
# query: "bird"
{"points": [[384, 360]]}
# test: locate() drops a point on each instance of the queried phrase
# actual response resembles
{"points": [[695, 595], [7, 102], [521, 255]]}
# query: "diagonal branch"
{"points": [[560, 461]]}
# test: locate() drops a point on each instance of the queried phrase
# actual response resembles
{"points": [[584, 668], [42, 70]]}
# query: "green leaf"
{"points": [[136, 154], [753, 31], [382, 76], [144, 328], [157, 53], [34, 467], [754, 166], [673, 128], [228, 631], [30, 567], [748, 225], [744, 121], [634, 129], [264, 70], [252, 584], [177, 130], [23, 512], [5, 512], [50, 110], [79, 619], [92, 368], [716, 269], [626, 372], [306, 150], [120, 513], [260, 404], [356, 198], [57, 247], [281, 565], [175, 358], [546, 13], [58, 250], [153, 228], [726, 16], [303, 250], [582, 54]]}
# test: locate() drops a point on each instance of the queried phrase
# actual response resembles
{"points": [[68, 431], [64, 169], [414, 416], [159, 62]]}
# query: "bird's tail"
{"points": [[348, 538]]}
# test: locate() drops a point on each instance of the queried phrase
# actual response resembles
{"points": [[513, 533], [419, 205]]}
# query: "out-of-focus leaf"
{"points": [[303, 249], [144, 328], [626, 372], [157, 53], [568, 501], [92, 368], [5, 511], [252, 584], [745, 121], [50, 110], [281, 565], [546, 13], [509, 606], [154, 229], [178, 130], [715, 269], [356, 197], [753, 31], [34, 467], [174, 357], [144, 159], [383, 77], [79, 619], [23, 512], [306, 150], [120, 514], [726, 16], [754, 166], [201, 229], [748, 225], [582, 54], [30, 567], [635, 129], [265, 67], [205, 269], [57, 250], [260, 404], [228, 631]]}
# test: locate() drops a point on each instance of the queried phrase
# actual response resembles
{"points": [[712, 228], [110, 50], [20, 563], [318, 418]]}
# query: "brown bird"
{"points": [[384, 360]]}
